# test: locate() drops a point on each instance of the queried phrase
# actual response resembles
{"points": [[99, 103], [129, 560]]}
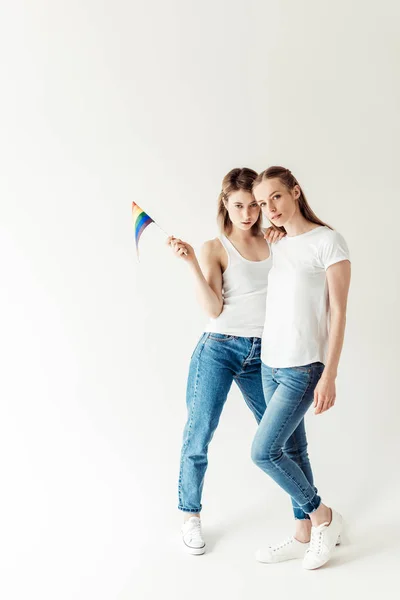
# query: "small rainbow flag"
{"points": [[140, 221]]}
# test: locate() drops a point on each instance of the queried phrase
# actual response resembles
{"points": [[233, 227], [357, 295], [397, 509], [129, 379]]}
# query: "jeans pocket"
{"points": [[220, 337], [303, 369], [202, 339], [319, 368]]}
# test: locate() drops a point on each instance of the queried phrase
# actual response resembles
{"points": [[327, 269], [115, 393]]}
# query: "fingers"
{"points": [[322, 403], [273, 235], [171, 241], [318, 402], [269, 234], [277, 236], [180, 248], [319, 406], [174, 242]]}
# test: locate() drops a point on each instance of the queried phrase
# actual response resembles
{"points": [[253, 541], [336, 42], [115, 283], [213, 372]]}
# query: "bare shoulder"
{"points": [[212, 252], [212, 247]]}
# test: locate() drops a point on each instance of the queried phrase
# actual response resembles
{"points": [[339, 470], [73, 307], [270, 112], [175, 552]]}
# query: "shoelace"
{"points": [[316, 538], [282, 545]]}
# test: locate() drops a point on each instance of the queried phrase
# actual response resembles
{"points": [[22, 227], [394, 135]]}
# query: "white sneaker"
{"points": [[323, 540], [192, 536], [288, 550]]}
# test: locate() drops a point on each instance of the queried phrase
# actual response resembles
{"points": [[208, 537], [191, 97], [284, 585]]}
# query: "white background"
{"points": [[104, 102]]}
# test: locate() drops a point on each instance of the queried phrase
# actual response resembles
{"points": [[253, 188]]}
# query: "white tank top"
{"points": [[244, 288]]}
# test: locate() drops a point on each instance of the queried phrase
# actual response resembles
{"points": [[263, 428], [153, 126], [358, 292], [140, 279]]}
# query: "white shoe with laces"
{"points": [[324, 538], [192, 536], [287, 550]]}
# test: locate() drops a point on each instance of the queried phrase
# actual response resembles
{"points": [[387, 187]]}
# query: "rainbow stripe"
{"points": [[140, 221]]}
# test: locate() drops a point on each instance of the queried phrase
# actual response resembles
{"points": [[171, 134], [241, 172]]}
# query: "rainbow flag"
{"points": [[140, 221]]}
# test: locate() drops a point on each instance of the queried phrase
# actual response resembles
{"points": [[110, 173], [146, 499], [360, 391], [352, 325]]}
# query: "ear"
{"points": [[297, 191]]}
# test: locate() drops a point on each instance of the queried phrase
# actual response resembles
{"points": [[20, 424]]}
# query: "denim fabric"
{"points": [[217, 361], [280, 444]]}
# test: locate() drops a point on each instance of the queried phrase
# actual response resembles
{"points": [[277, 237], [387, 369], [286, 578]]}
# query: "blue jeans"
{"points": [[280, 444], [217, 361]]}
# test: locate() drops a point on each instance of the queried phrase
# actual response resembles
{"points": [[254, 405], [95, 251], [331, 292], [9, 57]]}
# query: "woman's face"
{"points": [[242, 208], [277, 203]]}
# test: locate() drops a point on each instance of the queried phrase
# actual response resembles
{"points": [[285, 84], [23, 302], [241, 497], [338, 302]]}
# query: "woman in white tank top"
{"points": [[232, 286]]}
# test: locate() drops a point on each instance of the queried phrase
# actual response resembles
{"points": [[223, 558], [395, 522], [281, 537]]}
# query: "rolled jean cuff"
{"points": [[311, 505], [190, 510]]}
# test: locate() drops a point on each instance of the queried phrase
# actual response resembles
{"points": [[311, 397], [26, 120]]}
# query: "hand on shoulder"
{"points": [[273, 235]]}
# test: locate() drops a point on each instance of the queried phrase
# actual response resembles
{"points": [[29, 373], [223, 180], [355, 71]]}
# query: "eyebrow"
{"points": [[240, 202], [262, 200]]}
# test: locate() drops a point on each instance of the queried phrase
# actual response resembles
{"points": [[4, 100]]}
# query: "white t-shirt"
{"points": [[297, 307]]}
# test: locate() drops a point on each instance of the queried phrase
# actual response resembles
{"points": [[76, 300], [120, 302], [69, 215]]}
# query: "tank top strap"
{"points": [[224, 242], [233, 254], [267, 242]]}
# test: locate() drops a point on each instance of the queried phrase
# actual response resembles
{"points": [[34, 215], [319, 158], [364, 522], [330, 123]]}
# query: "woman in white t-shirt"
{"points": [[301, 346]]}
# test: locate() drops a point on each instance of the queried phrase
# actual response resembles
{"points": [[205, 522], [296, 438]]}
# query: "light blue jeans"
{"points": [[217, 361], [280, 444]]}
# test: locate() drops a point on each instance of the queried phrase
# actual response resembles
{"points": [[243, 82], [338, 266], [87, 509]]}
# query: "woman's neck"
{"points": [[298, 225], [241, 235]]}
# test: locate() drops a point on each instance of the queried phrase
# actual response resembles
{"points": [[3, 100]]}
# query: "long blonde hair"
{"points": [[289, 181], [237, 179]]}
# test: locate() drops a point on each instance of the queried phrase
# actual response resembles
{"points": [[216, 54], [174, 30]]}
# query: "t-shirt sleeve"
{"points": [[333, 249]]}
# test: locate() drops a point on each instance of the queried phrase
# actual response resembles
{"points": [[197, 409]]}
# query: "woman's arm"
{"points": [[338, 278], [208, 278]]}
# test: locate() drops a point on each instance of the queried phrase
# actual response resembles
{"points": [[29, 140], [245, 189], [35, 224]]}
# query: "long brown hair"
{"points": [[237, 179], [287, 178]]}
